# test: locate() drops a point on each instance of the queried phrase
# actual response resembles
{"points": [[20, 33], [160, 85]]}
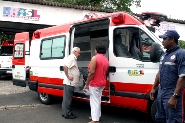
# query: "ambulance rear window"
{"points": [[19, 50]]}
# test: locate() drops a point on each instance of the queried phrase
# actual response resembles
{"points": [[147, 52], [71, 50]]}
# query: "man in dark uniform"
{"points": [[171, 80]]}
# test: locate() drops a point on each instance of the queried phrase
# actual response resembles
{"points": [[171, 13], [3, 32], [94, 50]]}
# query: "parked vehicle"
{"points": [[6, 52], [132, 69]]}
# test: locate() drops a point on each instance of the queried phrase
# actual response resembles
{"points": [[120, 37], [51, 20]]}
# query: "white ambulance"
{"points": [[132, 49], [6, 52]]}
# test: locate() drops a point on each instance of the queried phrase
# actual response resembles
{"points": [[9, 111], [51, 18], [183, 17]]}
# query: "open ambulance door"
{"points": [[18, 61], [83, 62]]}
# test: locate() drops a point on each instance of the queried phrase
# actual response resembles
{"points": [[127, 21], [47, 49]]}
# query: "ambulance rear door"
{"points": [[21, 49]]}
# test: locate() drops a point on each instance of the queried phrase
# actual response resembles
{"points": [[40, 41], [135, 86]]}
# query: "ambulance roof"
{"points": [[64, 28]]}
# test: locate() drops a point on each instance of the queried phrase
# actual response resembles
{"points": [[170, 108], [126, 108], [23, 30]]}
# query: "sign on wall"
{"points": [[22, 13], [166, 26], [180, 28]]}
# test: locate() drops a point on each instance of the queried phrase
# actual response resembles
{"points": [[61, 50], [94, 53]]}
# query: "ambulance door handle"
{"points": [[61, 68], [112, 69], [13, 66]]}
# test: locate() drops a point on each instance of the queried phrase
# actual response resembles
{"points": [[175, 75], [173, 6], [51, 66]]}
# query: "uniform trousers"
{"points": [[166, 114]]}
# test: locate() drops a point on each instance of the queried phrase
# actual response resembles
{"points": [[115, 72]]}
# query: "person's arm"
{"points": [[69, 63], [181, 72], [180, 82], [66, 73], [66, 70], [180, 85], [91, 71], [156, 83]]}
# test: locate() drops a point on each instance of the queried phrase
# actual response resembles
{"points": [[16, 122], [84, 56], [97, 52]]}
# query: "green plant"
{"points": [[182, 44], [120, 5]]}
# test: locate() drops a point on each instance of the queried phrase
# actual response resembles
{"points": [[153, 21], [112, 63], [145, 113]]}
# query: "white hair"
{"points": [[75, 49]]}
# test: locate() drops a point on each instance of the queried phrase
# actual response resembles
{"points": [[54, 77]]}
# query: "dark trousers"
{"points": [[165, 114], [67, 99]]}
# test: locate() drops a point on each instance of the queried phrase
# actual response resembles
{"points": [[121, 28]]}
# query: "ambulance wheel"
{"points": [[44, 98], [153, 109]]}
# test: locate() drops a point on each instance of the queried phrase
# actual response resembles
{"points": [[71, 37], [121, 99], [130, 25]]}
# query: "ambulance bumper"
{"points": [[6, 72], [32, 85]]}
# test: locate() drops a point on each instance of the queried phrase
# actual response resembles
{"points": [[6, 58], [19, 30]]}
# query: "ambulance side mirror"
{"points": [[155, 52]]}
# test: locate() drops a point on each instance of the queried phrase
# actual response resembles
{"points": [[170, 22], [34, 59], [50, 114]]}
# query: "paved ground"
{"points": [[19, 105], [6, 88]]}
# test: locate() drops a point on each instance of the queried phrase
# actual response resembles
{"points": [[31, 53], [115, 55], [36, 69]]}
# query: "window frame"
{"points": [[23, 51], [51, 38], [139, 43]]}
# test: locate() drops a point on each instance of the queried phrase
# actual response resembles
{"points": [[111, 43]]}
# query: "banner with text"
{"points": [[22, 13]]}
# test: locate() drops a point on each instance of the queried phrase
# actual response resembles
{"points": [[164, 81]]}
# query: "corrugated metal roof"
{"points": [[42, 2]]}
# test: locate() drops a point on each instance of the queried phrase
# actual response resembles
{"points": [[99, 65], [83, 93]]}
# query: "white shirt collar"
{"points": [[73, 56]]}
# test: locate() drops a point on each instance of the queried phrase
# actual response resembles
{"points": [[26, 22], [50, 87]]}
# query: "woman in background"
{"points": [[96, 80]]}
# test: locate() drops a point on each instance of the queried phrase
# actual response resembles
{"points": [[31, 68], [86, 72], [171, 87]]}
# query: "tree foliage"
{"points": [[120, 5], [182, 44]]}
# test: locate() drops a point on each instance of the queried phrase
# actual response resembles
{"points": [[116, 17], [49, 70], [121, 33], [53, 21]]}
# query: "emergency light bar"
{"points": [[152, 18], [90, 16], [117, 18]]}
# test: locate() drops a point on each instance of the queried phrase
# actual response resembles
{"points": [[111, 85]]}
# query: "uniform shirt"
{"points": [[73, 71], [172, 66]]}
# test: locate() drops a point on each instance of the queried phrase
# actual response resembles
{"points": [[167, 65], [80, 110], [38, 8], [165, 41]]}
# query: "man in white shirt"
{"points": [[71, 80]]}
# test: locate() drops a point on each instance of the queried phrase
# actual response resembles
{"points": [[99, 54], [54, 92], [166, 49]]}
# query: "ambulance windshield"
{"points": [[6, 51]]}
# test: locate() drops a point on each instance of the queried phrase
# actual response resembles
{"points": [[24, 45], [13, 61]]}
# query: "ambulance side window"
{"points": [[53, 48], [46, 49], [58, 47]]}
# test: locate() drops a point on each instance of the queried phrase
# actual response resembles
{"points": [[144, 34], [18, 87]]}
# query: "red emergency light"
{"points": [[37, 34], [117, 18]]}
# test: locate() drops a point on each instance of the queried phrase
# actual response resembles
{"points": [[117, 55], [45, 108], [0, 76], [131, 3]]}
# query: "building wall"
{"points": [[180, 28], [40, 14]]}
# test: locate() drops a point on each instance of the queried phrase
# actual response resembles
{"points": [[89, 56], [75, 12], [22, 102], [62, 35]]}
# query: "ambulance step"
{"points": [[83, 95]]}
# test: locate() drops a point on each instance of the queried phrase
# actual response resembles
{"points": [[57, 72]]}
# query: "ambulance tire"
{"points": [[153, 109], [44, 98]]}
